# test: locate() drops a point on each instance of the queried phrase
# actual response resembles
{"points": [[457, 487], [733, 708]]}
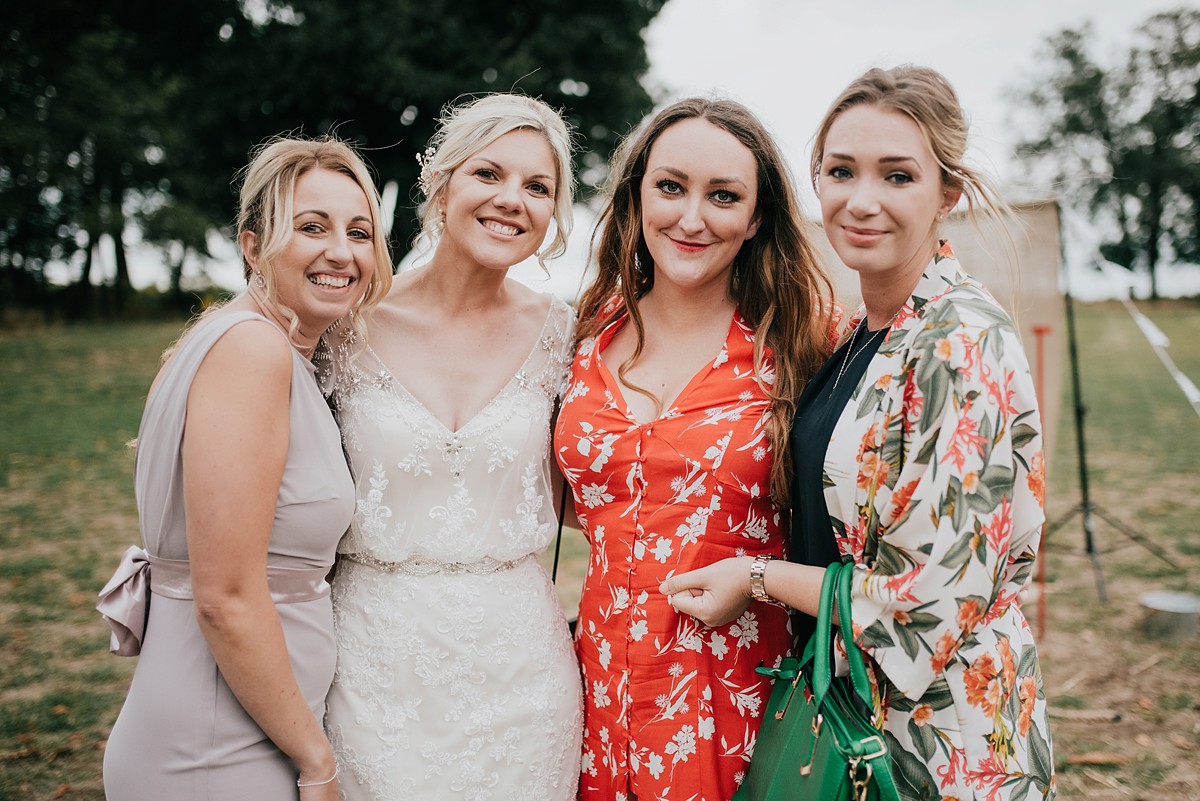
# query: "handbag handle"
{"points": [[835, 589], [858, 668]]}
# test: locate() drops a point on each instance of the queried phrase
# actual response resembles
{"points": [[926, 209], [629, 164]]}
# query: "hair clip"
{"points": [[425, 179]]}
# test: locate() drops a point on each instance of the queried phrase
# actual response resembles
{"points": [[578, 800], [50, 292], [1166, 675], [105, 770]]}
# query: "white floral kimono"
{"points": [[935, 482]]}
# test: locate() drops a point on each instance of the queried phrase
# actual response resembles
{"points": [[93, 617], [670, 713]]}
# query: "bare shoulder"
{"points": [[528, 304]]}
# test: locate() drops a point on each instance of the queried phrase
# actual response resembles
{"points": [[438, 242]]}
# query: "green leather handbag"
{"points": [[813, 742]]}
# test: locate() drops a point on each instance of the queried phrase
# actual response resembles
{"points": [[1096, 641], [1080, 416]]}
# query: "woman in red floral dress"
{"points": [[707, 315]]}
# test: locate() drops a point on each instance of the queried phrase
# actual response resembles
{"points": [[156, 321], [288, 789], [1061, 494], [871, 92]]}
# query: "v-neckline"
{"points": [[605, 338], [454, 432]]}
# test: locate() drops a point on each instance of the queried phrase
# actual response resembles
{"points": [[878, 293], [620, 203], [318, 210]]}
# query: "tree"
{"points": [[86, 95], [379, 72], [147, 109], [1123, 143]]}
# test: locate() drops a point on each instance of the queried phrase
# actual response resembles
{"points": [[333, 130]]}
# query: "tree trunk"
{"points": [[175, 296], [81, 295], [1153, 219], [122, 286]]}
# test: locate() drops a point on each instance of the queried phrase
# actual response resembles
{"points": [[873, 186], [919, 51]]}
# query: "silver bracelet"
{"points": [[318, 784]]}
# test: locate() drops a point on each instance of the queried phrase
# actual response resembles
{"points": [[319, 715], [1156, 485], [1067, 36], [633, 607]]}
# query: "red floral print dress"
{"points": [[671, 707]]}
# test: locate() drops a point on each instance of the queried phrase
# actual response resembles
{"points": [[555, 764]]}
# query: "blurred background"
{"points": [[123, 124]]}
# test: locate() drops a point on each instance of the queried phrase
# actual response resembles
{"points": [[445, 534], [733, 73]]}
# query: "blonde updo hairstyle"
{"points": [[928, 99], [266, 209], [467, 129]]}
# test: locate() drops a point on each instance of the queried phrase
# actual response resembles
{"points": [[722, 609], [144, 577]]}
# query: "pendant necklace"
{"points": [[850, 345]]}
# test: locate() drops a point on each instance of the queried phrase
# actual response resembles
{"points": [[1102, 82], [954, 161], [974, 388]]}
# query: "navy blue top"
{"points": [[817, 412]]}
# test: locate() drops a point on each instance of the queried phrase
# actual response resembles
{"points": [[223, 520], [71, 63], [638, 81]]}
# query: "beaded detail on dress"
{"points": [[462, 683]]}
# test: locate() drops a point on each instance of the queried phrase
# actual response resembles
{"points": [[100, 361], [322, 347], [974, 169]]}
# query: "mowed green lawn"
{"points": [[71, 399]]}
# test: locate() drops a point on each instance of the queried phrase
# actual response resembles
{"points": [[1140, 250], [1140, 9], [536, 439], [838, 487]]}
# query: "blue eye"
{"points": [[669, 187], [900, 178], [726, 197], [839, 173], [486, 174]]}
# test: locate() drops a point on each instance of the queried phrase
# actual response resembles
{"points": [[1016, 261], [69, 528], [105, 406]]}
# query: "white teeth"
{"points": [[337, 281], [501, 228]]}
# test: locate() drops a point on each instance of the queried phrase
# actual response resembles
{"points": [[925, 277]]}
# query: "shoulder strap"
{"points": [[562, 511]]}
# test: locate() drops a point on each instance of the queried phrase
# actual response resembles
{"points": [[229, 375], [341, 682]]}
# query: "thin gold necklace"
{"points": [[849, 345]]}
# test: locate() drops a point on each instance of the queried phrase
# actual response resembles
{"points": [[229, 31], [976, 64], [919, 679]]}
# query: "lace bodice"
{"points": [[425, 491], [451, 684]]}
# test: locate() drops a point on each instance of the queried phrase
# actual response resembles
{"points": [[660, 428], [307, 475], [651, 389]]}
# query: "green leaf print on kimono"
{"points": [[934, 483]]}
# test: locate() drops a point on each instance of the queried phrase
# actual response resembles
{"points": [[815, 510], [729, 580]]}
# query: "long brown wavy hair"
{"points": [[777, 281]]}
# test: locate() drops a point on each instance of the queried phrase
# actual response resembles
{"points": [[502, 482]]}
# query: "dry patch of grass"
{"points": [[1143, 455], [72, 398]]}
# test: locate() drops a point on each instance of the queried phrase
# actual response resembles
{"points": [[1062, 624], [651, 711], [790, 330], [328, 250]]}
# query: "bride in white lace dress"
{"points": [[456, 678]]}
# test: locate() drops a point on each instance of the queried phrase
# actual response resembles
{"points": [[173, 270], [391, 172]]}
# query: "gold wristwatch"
{"points": [[758, 587]]}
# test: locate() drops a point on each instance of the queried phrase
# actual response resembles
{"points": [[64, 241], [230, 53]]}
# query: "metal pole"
{"points": [[1085, 506]]}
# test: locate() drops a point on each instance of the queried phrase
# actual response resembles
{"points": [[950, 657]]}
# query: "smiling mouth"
{"points": [[500, 228], [690, 247], [331, 281]]}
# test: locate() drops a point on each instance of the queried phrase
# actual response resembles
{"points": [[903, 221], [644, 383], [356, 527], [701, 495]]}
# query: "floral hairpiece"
{"points": [[425, 179]]}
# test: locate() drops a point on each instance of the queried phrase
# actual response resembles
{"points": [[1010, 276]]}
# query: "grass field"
{"points": [[72, 397]]}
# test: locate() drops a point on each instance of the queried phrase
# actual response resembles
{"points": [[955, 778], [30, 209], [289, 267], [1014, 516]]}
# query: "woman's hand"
{"points": [[714, 595]]}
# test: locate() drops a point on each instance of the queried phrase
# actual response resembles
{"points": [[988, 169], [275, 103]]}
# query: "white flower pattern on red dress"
{"points": [[673, 707]]}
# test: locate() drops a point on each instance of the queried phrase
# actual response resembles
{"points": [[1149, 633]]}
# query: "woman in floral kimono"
{"points": [[933, 478], [705, 318]]}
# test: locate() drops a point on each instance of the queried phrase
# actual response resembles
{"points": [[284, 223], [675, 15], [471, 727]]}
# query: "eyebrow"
{"points": [[541, 176], [883, 160], [325, 215], [713, 182]]}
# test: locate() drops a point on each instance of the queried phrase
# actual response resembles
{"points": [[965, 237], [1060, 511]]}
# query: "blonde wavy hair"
{"points": [[266, 208]]}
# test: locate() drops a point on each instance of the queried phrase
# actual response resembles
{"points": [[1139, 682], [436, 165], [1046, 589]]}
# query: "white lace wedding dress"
{"points": [[455, 678]]}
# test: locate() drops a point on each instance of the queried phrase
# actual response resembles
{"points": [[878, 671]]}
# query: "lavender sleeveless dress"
{"points": [[181, 734]]}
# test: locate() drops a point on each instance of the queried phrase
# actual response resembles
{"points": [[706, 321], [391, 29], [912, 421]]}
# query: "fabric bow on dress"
{"points": [[125, 602]]}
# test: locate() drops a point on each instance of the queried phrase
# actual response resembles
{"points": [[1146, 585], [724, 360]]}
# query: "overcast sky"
{"points": [[788, 59]]}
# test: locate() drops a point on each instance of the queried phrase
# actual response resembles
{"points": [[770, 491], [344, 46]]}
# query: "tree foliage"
{"points": [[1123, 142], [142, 111]]}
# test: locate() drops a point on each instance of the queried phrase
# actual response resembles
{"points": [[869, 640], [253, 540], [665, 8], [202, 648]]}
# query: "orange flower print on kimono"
{"points": [[935, 483], [671, 708]]}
